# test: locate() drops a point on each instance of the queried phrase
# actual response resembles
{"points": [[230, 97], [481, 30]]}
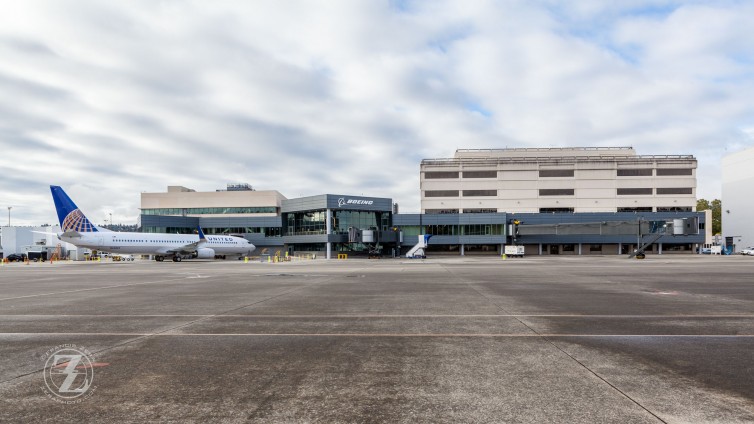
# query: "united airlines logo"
{"points": [[342, 202], [69, 374], [76, 221]]}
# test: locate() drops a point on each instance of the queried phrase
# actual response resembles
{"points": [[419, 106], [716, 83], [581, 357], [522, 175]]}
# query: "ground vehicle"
{"points": [[514, 251], [37, 256], [748, 251], [123, 258], [705, 250], [16, 257]]}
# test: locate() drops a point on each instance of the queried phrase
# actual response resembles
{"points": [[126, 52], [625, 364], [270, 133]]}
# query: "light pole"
{"points": [[9, 208], [111, 220]]}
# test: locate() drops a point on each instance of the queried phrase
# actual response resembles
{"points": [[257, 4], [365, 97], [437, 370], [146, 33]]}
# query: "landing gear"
{"points": [[159, 258], [176, 258]]}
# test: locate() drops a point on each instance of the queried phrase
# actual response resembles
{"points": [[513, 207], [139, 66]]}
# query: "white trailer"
{"points": [[515, 251]]}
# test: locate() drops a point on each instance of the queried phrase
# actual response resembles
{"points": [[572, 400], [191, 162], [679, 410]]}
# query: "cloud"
{"points": [[112, 99]]}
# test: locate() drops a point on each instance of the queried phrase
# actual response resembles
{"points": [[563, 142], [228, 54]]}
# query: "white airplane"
{"points": [[79, 231]]}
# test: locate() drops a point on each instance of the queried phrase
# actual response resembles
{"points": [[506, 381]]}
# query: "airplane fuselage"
{"points": [[160, 244]]}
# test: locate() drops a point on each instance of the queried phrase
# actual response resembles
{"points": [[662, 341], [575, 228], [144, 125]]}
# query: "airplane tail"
{"points": [[201, 234], [69, 215]]}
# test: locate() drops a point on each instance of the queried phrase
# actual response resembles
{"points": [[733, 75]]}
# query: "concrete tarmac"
{"points": [[449, 339]]}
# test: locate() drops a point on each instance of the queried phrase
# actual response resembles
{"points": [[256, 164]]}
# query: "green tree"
{"points": [[716, 206]]}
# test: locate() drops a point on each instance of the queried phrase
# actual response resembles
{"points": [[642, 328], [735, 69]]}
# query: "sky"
{"points": [[110, 99]]}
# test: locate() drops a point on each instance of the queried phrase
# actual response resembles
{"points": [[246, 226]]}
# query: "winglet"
{"points": [[201, 234]]}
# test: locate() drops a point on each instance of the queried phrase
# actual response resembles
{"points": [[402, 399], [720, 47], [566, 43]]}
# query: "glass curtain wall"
{"points": [[361, 220], [305, 223]]}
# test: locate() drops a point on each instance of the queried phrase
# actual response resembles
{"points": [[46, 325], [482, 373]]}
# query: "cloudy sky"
{"points": [[112, 98]]}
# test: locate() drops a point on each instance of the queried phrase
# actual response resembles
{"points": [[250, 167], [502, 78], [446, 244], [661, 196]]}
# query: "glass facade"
{"points": [[169, 230], [455, 230], [305, 223], [361, 219], [209, 211], [314, 222], [267, 231]]}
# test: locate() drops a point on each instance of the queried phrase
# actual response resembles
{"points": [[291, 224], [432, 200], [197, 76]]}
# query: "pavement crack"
{"points": [[553, 344]]}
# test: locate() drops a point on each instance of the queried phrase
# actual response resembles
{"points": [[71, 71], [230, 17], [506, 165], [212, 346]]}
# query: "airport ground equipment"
{"points": [[419, 250], [514, 251]]}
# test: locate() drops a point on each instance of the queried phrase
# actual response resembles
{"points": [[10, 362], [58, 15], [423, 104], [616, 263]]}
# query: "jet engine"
{"points": [[205, 253]]}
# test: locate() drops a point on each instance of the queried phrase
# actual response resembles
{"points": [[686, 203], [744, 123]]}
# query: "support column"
{"points": [[463, 250], [502, 249], [620, 248], [659, 248], [328, 230], [579, 249], [540, 249]]}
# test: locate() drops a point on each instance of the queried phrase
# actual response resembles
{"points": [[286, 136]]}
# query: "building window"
{"points": [[343, 220], [556, 210], [555, 173], [595, 248], [674, 209], [305, 223], [209, 211], [479, 193], [442, 230], [635, 172], [674, 190], [479, 174], [637, 209], [556, 192], [430, 175], [441, 193], [440, 211], [480, 210], [673, 171], [634, 191], [569, 247]]}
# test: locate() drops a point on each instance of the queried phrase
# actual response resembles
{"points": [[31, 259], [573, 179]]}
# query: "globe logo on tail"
{"points": [[76, 221]]}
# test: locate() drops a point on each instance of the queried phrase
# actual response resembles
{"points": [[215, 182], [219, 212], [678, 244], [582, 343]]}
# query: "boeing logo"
{"points": [[342, 202]]}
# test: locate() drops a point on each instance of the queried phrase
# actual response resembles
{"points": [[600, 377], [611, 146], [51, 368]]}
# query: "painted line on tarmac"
{"points": [[93, 288], [382, 316], [425, 335]]}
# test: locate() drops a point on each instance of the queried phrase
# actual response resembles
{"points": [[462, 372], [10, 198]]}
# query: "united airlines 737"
{"points": [[79, 231]]}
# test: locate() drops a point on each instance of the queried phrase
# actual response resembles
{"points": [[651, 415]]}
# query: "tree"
{"points": [[716, 206]]}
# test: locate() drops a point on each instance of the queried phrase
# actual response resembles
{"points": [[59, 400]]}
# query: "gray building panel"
{"points": [[319, 238], [318, 202], [609, 228], [169, 221], [258, 239], [262, 221], [449, 219], [337, 201]]}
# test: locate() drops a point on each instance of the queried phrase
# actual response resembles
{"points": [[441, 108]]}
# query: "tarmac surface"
{"points": [[449, 339]]}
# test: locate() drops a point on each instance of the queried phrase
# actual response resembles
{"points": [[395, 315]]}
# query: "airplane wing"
{"points": [[188, 248], [45, 232], [185, 249], [69, 233]]}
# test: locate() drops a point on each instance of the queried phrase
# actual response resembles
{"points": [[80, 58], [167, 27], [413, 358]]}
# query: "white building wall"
{"points": [[595, 181], [738, 197], [24, 239]]}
